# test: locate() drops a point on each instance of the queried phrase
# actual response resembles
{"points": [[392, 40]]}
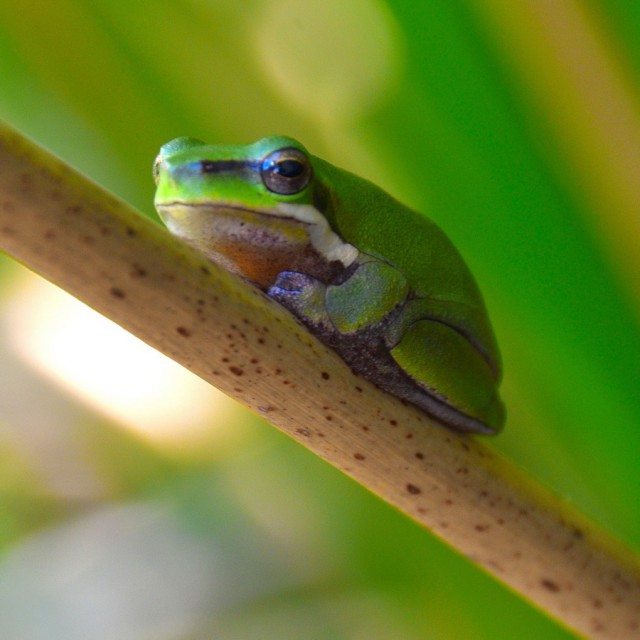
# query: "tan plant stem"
{"points": [[130, 269]]}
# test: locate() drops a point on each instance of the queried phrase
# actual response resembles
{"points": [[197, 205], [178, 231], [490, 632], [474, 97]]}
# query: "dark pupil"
{"points": [[289, 168]]}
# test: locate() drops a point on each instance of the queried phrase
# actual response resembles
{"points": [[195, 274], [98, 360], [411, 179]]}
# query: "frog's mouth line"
{"points": [[228, 208], [323, 239]]}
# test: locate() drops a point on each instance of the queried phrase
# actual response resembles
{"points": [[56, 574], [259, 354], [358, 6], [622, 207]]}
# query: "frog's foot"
{"points": [[304, 296], [290, 283]]}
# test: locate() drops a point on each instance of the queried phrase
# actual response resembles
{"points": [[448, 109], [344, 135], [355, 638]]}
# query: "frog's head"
{"points": [[249, 207], [260, 176]]}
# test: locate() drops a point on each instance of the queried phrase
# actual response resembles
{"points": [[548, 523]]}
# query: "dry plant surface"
{"points": [[130, 269]]}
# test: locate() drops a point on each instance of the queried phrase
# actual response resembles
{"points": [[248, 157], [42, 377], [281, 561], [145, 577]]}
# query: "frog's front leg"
{"points": [[353, 307], [366, 300], [304, 296]]}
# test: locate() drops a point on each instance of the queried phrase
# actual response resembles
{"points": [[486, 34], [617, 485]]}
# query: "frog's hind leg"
{"points": [[451, 380]]}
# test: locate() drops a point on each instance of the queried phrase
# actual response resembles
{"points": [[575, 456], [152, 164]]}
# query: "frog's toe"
{"points": [[288, 282]]}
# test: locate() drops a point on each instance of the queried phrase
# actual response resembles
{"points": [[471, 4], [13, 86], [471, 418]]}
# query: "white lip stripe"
{"points": [[323, 239]]}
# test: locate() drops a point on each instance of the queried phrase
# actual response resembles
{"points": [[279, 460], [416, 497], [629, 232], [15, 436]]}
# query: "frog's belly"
{"points": [[259, 263], [257, 246]]}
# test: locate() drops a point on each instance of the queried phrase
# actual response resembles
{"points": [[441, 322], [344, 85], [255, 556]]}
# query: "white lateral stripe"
{"points": [[323, 239]]}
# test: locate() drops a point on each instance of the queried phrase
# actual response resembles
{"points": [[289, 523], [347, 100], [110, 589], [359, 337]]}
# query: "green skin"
{"points": [[373, 279]]}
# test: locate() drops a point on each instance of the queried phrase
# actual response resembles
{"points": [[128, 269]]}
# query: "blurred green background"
{"points": [[141, 504]]}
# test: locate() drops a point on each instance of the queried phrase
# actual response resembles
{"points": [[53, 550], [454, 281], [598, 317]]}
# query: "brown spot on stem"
{"points": [[137, 271], [117, 293], [268, 409], [411, 488], [237, 371], [359, 456], [325, 375], [550, 585], [183, 331]]}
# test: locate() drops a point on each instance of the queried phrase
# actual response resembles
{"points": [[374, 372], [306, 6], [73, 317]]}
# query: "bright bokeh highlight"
{"points": [[110, 370]]}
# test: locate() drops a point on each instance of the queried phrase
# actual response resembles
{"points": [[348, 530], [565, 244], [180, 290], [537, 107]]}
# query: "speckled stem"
{"points": [[130, 269]]}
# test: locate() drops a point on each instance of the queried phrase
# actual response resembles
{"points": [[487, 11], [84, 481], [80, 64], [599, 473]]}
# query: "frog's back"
{"points": [[376, 223]]}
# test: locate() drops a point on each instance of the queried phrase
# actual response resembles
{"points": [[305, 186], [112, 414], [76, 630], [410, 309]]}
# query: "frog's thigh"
{"points": [[439, 359], [374, 290]]}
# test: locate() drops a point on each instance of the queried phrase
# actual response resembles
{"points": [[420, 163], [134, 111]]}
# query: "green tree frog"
{"points": [[376, 281]]}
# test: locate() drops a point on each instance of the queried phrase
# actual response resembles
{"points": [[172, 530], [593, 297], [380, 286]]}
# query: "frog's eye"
{"points": [[286, 171]]}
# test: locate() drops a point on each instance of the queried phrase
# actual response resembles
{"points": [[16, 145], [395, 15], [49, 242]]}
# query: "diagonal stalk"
{"points": [[129, 268]]}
